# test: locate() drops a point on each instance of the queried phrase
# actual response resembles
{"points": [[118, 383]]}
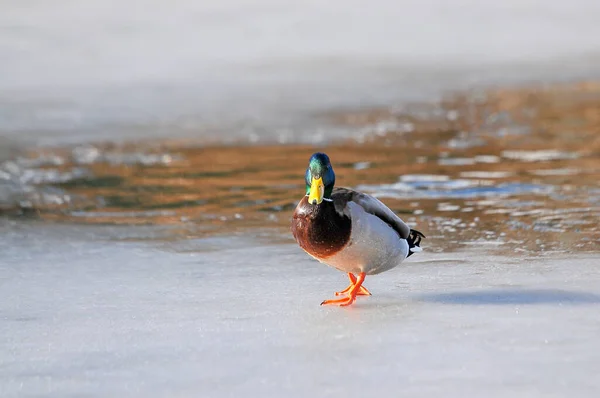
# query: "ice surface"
{"points": [[84, 313]]}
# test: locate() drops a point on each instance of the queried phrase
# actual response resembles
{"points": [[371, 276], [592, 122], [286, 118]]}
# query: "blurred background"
{"points": [[258, 69]]}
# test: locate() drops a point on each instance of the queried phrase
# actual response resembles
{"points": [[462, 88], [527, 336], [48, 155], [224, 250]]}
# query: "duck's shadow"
{"points": [[512, 297]]}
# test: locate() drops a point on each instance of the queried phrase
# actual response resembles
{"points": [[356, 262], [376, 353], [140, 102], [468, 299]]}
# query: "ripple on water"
{"points": [[539, 156], [486, 174], [441, 186], [556, 172], [37, 181], [89, 154]]}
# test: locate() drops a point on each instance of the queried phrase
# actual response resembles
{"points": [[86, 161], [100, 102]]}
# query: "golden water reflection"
{"points": [[513, 169]]}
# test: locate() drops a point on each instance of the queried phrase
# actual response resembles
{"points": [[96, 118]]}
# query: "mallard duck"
{"points": [[349, 230]]}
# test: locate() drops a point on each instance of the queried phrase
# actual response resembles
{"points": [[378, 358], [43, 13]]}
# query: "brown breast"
{"points": [[319, 229]]}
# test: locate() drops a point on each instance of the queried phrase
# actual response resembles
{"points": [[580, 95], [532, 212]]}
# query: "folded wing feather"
{"points": [[341, 196]]}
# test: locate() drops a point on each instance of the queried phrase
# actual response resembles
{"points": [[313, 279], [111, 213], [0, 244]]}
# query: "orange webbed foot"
{"points": [[352, 291], [342, 302]]}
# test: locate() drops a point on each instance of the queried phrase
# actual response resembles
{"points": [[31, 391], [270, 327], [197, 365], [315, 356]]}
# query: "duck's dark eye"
{"points": [[329, 177]]}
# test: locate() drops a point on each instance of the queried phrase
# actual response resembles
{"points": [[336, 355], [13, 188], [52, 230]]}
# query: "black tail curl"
{"points": [[414, 240]]}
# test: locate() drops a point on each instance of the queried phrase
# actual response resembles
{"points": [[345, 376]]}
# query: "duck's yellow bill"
{"points": [[317, 190]]}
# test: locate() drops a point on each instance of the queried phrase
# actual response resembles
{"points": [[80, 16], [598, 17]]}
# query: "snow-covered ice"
{"points": [[86, 313]]}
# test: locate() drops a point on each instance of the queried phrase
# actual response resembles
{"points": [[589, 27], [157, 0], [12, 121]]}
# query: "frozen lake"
{"points": [[86, 313], [185, 305]]}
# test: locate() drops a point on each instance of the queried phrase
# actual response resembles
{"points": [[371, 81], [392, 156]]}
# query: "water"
{"points": [[489, 189], [151, 157]]}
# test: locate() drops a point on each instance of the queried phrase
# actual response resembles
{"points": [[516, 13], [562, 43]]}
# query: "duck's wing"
{"points": [[341, 197]]}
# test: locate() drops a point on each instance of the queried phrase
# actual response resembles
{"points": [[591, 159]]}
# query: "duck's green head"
{"points": [[319, 178]]}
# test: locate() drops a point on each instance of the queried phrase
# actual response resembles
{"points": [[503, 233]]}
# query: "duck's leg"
{"points": [[361, 292], [351, 293]]}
